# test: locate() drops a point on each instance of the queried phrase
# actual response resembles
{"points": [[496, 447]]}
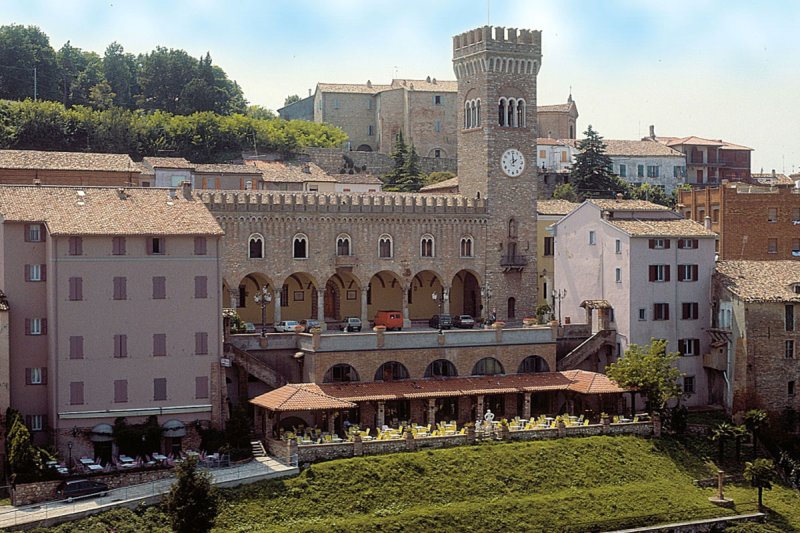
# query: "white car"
{"points": [[286, 326]]}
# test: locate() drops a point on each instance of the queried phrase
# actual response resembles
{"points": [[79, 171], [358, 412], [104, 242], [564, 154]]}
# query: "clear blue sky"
{"points": [[717, 69]]}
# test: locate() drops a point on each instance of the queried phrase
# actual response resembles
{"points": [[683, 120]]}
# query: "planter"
{"points": [[298, 328], [529, 322], [499, 325], [379, 329], [315, 330]]}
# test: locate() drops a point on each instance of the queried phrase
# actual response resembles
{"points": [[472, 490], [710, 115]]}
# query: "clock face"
{"points": [[512, 162]]}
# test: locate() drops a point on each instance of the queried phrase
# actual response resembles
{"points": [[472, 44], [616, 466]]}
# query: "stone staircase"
{"points": [[588, 347], [258, 448], [254, 366]]}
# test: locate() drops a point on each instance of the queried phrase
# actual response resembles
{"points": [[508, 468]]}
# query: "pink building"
{"points": [[98, 282], [652, 266]]}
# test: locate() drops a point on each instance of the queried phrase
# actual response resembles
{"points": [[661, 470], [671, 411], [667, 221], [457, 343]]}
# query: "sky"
{"points": [[720, 69]]}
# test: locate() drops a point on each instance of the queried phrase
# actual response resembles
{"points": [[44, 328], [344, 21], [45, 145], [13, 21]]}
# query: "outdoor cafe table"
{"points": [[85, 461], [94, 467]]}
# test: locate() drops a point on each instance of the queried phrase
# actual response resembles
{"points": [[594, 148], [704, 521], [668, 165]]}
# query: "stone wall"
{"points": [[29, 493], [332, 161]]}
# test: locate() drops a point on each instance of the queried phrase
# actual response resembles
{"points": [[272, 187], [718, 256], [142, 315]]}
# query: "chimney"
{"points": [[186, 189], [619, 196], [309, 92], [369, 84], [434, 81], [428, 79], [652, 131], [707, 222], [773, 173], [121, 193], [37, 182], [306, 168]]}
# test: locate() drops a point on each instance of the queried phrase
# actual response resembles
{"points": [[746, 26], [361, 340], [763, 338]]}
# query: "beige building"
{"points": [[27, 167], [548, 212], [292, 176], [97, 283]]}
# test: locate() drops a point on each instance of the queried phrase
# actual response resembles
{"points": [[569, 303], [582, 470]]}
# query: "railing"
{"points": [[586, 348], [513, 261], [255, 366]]}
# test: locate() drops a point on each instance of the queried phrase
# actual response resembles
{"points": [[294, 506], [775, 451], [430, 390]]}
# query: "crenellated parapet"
{"points": [[341, 203], [497, 49]]}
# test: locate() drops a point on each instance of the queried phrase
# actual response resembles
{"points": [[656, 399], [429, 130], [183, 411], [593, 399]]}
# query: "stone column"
{"points": [[446, 300], [381, 421], [277, 301], [331, 422], [234, 294], [406, 320], [479, 408], [364, 317], [526, 405], [321, 306], [432, 412]]}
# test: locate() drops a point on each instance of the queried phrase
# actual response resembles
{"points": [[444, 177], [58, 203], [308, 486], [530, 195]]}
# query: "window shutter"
{"points": [[653, 272], [666, 311], [27, 376], [42, 233], [694, 272], [27, 230], [667, 243], [76, 393], [43, 270], [201, 387], [27, 272], [44, 375], [28, 421], [162, 245], [651, 243], [159, 344], [695, 243], [44, 326], [682, 346], [200, 246], [666, 272], [72, 246], [149, 246], [76, 347], [27, 326]]}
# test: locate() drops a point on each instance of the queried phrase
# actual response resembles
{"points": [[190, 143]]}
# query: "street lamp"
{"points": [[263, 297], [69, 464], [559, 295], [435, 297]]}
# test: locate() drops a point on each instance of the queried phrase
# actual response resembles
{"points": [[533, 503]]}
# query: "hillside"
{"points": [[565, 485]]}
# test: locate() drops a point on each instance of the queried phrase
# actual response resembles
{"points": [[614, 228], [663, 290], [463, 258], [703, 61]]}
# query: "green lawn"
{"points": [[563, 485]]}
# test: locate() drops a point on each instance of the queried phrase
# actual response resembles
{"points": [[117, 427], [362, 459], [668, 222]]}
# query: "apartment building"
{"points": [[113, 298]]}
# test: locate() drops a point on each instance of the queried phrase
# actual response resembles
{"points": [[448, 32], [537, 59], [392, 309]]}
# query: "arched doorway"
{"points": [[533, 364], [384, 293], [299, 297], [248, 308], [421, 304], [465, 294], [342, 296]]}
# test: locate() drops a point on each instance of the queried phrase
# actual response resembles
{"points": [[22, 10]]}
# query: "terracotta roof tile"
{"points": [[560, 108], [677, 227], [107, 210], [42, 160], [358, 178], [555, 207], [609, 204], [167, 162], [299, 397], [290, 171], [644, 148], [761, 281], [768, 178], [221, 168], [144, 169], [442, 86], [446, 184], [351, 88]]}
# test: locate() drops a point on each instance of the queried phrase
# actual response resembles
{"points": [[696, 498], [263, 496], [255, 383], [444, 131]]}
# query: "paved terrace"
{"points": [[52, 513]]}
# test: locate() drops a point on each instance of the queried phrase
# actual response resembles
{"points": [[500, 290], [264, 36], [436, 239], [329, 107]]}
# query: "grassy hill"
{"points": [[564, 485]]}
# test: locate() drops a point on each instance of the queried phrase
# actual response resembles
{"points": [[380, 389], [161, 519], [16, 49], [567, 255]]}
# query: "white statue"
{"points": [[489, 417]]}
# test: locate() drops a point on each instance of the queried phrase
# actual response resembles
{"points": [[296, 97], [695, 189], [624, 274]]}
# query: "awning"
{"points": [[173, 428], [102, 433], [300, 397]]}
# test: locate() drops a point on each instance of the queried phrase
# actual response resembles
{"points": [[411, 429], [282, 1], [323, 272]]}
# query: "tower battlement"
{"points": [[496, 38]]}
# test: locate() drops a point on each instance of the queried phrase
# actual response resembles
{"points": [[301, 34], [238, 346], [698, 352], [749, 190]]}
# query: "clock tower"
{"points": [[496, 69]]}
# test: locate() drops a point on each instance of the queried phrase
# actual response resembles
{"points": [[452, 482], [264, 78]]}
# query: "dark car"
{"points": [[463, 321], [441, 321], [79, 488]]}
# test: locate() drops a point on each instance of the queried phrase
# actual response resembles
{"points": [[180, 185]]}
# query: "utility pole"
{"points": [[35, 86]]}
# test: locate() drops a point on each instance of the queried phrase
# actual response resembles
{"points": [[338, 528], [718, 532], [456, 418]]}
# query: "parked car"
{"points": [[441, 321], [390, 319], [79, 488], [350, 323], [308, 324], [285, 326], [464, 321], [249, 327]]}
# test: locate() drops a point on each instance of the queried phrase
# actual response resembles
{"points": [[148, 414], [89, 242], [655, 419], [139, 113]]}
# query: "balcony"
{"points": [[513, 262]]}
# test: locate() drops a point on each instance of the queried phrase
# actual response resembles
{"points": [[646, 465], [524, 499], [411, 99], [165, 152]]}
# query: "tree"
{"points": [[650, 371], [437, 177], [238, 428], [565, 191], [651, 193], [738, 433], [721, 432], [411, 180], [119, 70], [394, 177], [192, 501], [101, 96], [260, 112], [760, 473], [591, 172], [754, 420], [292, 98], [23, 49]]}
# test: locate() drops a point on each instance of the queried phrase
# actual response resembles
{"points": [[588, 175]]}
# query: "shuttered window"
{"points": [[200, 246], [120, 288], [159, 344], [76, 393], [159, 389], [118, 246], [120, 346], [159, 288], [76, 347], [201, 387], [120, 390], [75, 289], [201, 343], [201, 287]]}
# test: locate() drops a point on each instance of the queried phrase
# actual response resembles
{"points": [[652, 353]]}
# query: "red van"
{"points": [[390, 319]]}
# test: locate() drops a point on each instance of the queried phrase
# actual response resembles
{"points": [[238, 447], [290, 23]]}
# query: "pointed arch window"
{"points": [[385, 246], [426, 246], [466, 247], [300, 246], [343, 245], [255, 246]]}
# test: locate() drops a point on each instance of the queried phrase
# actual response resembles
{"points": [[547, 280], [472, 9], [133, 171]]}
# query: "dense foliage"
{"points": [[405, 175], [200, 137], [651, 371], [137, 440], [192, 502], [437, 177], [591, 172], [166, 79], [25, 461]]}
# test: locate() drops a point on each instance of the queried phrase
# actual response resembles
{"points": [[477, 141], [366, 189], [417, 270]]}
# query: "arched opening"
{"points": [[342, 296], [426, 246], [512, 308], [255, 246], [478, 113], [300, 246], [512, 228], [533, 364], [385, 246], [226, 294], [465, 294], [343, 245], [488, 366], [501, 112], [340, 373], [364, 148], [421, 303], [247, 307], [391, 371], [520, 119], [441, 368], [466, 247], [299, 297], [384, 293]]}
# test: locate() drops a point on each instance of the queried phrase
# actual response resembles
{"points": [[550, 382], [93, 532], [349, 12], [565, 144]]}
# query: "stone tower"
{"points": [[496, 70]]}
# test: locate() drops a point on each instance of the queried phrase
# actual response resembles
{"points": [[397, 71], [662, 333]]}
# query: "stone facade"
{"points": [[332, 161]]}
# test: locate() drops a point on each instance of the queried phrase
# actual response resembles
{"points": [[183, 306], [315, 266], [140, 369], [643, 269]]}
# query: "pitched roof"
{"points": [[43, 160], [547, 141], [107, 210], [167, 162], [580, 381], [358, 179], [290, 171], [612, 204], [362, 88], [299, 397], [446, 184], [555, 207], [677, 227], [433, 86], [644, 148], [221, 168], [560, 108], [693, 140], [761, 281], [769, 178], [144, 169]]}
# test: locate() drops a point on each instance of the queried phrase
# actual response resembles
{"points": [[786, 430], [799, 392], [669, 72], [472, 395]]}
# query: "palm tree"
{"points": [[760, 472], [755, 419], [738, 433], [721, 432]]}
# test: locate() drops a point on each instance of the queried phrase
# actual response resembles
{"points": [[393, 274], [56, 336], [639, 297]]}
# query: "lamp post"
{"points": [[486, 293], [263, 298], [559, 295], [436, 298], [69, 464]]}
